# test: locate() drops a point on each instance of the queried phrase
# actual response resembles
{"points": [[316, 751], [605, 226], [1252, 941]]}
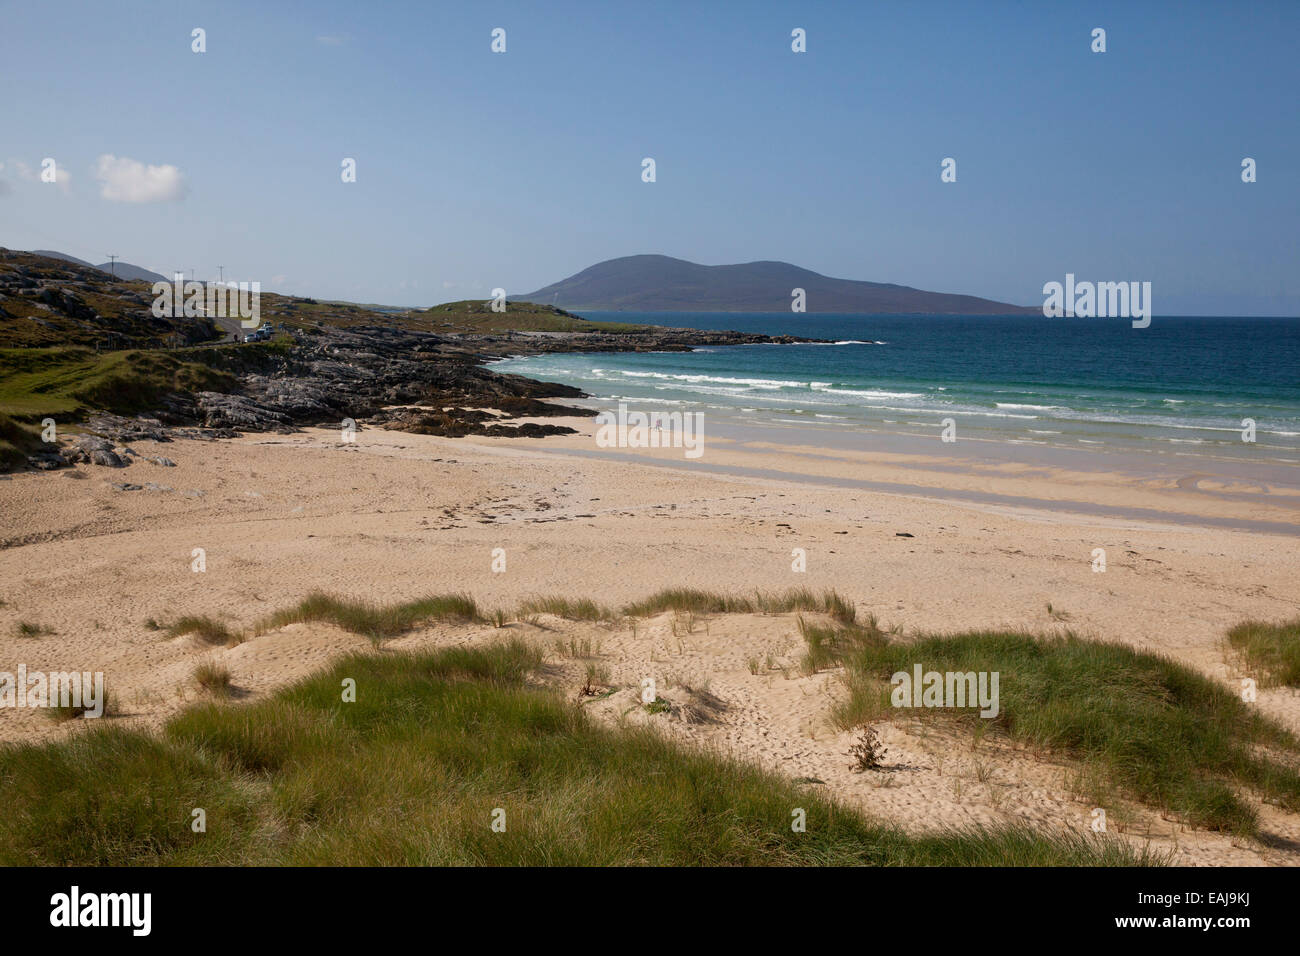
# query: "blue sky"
{"points": [[477, 169]]}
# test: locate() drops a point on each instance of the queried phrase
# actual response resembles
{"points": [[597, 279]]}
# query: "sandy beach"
{"points": [[922, 542]]}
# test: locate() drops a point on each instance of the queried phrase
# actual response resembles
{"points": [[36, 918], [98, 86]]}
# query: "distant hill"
{"points": [[123, 270], [51, 254], [652, 283]]}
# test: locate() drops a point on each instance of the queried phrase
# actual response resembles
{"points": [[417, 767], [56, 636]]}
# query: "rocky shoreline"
{"points": [[417, 370], [377, 377]]}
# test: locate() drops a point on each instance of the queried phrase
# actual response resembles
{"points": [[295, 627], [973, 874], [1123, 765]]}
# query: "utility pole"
{"points": [[222, 271], [113, 264]]}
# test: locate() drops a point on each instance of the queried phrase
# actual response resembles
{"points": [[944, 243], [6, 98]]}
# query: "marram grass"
{"points": [[1138, 724], [1270, 650], [375, 621], [412, 772]]}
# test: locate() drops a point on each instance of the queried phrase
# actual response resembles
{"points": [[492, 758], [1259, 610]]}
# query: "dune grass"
{"points": [[213, 679], [829, 644], [1271, 649], [583, 609], [1155, 730], [379, 622], [412, 772], [375, 621], [696, 601], [62, 713], [205, 628]]}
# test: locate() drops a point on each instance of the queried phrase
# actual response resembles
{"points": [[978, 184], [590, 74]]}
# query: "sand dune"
{"points": [[394, 516]]}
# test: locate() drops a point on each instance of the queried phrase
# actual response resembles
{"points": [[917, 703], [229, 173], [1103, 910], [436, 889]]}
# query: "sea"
{"points": [[1193, 386]]}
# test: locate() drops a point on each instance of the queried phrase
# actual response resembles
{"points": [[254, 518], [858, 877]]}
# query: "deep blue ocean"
{"points": [[1181, 385]]}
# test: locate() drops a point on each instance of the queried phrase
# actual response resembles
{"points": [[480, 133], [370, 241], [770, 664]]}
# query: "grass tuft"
{"points": [[63, 713], [829, 644], [584, 609], [1271, 649], [695, 601], [205, 628], [375, 621], [213, 678]]}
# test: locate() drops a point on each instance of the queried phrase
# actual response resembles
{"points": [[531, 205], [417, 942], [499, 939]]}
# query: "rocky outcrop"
{"points": [[47, 301], [240, 413], [335, 374], [459, 422], [326, 365]]}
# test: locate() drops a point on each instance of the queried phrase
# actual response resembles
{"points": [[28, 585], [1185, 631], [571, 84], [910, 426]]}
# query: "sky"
{"points": [[477, 169]]}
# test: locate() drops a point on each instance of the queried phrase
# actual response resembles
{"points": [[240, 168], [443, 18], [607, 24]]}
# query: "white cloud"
{"points": [[332, 39], [33, 174], [129, 180]]}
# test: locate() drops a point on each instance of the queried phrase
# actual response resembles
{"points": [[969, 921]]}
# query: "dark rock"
{"points": [[93, 449], [240, 412], [106, 458]]}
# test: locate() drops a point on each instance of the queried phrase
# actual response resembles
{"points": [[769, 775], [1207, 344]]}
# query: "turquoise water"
{"points": [[1183, 385]]}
